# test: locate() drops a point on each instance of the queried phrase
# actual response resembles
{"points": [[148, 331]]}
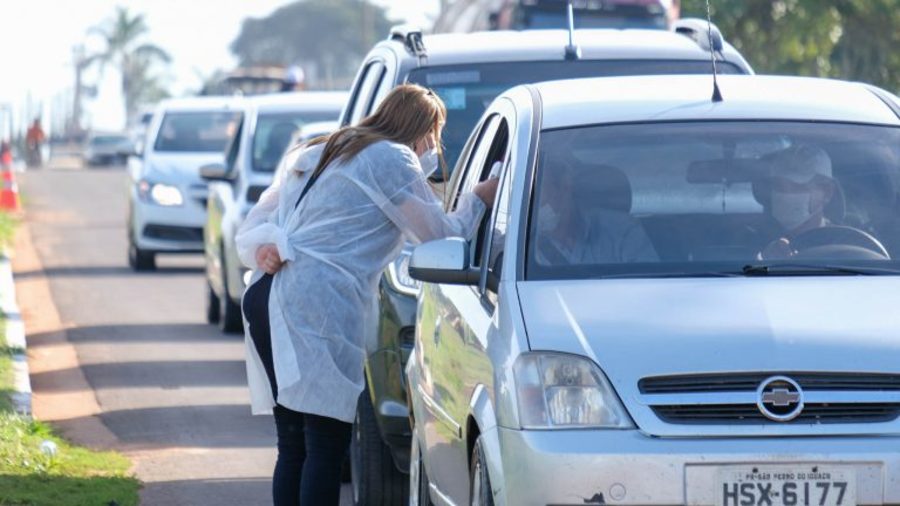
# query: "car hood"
{"points": [[180, 166], [641, 327]]}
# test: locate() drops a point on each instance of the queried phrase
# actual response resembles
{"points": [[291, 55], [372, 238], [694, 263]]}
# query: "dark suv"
{"points": [[468, 71]]}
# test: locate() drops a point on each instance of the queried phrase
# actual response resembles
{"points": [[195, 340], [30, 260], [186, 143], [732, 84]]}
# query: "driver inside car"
{"points": [[795, 194]]}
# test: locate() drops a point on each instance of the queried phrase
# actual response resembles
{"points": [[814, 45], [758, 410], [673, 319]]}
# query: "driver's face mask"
{"points": [[791, 209]]}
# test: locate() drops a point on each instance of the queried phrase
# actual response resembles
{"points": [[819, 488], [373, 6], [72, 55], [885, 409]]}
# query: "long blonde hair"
{"points": [[407, 114]]}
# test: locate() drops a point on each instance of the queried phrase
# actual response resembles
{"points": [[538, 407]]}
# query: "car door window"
{"points": [[496, 159], [471, 170], [234, 149], [366, 91], [494, 255], [384, 87], [458, 177]]}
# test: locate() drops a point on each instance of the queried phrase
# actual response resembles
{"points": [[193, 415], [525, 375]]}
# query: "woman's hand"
{"points": [[487, 191], [268, 259]]}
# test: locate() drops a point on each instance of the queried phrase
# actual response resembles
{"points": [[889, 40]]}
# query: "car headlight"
{"points": [[160, 194], [559, 391], [398, 275]]}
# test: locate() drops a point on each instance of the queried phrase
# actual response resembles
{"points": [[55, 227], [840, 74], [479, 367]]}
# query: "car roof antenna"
{"points": [[717, 94], [573, 52]]}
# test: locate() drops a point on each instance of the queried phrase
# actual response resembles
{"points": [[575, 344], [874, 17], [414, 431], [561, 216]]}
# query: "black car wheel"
{"points": [[212, 305], [375, 478], [139, 259], [418, 478], [230, 319], [480, 493]]}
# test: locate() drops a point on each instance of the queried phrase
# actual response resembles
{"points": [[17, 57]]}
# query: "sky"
{"points": [[37, 36]]}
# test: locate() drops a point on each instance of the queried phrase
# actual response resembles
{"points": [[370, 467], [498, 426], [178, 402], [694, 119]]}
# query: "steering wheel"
{"points": [[836, 241]]}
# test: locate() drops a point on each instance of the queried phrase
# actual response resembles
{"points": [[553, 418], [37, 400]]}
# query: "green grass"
{"points": [[8, 225], [74, 476]]}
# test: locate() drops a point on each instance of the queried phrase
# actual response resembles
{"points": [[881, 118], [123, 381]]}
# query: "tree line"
{"points": [[846, 39]]}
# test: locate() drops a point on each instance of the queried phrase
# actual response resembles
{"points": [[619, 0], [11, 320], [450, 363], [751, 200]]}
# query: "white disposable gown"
{"points": [[348, 227]]}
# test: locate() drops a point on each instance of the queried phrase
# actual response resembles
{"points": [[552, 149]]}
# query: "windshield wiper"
{"points": [[794, 269]]}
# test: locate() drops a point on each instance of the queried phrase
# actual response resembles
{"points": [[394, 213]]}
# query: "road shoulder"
{"points": [[64, 399]]}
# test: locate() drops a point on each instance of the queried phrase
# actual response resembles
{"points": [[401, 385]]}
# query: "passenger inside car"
{"points": [[600, 229]]}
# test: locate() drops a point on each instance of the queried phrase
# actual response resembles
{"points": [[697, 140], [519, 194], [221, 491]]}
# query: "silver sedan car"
{"points": [[674, 300]]}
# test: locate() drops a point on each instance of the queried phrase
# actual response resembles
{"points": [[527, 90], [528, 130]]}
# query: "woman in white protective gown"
{"points": [[318, 240]]}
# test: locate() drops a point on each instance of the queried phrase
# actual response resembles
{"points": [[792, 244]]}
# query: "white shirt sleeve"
{"points": [[411, 204], [260, 226]]}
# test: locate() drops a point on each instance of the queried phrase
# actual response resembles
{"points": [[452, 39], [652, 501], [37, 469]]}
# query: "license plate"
{"points": [[786, 486]]}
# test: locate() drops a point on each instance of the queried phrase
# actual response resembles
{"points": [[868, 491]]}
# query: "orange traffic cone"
{"points": [[9, 193]]}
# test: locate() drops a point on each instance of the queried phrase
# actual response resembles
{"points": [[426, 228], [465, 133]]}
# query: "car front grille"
{"points": [[827, 398], [750, 413], [750, 381], [173, 233]]}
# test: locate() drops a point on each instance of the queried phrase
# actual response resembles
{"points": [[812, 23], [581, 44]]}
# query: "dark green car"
{"points": [[468, 71]]}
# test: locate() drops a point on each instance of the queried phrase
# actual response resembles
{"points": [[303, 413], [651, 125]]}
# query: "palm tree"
{"points": [[125, 49]]}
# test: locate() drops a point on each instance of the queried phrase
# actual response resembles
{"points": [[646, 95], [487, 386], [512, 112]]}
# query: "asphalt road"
{"points": [[171, 388]]}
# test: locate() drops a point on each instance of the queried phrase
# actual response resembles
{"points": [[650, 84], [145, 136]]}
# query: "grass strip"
{"points": [[32, 474], [8, 225], [39, 468], [6, 372]]}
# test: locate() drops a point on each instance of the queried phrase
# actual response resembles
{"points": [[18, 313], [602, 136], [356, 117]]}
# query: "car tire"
{"points": [[140, 260], [375, 479], [212, 305], [230, 319], [419, 494], [480, 494]]}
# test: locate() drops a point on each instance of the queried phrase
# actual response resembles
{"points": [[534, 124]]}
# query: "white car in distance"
{"points": [[167, 196]]}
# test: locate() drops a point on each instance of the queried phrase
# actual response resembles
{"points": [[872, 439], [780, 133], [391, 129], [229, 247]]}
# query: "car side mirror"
{"points": [[214, 171], [443, 261]]}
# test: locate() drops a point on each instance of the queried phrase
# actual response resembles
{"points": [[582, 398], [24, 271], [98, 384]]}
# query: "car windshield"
{"points": [[275, 130], [715, 198], [196, 132], [467, 90]]}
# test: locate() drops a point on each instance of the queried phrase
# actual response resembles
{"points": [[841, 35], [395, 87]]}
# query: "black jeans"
{"points": [[311, 448], [311, 451], [255, 305]]}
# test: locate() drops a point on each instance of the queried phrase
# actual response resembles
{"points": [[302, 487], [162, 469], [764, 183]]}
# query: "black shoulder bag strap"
{"points": [[312, 179]]}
